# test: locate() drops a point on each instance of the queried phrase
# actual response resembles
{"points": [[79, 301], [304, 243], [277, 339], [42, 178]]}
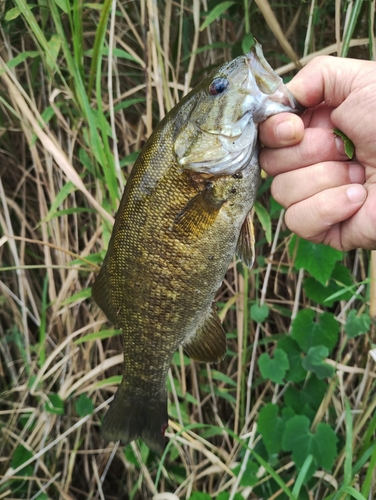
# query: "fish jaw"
{"points": [[272, 96]]}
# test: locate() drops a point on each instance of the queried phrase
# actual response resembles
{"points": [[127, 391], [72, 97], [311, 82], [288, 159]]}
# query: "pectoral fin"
{"points": [[198, 214], [209, 343], [245, 248]]}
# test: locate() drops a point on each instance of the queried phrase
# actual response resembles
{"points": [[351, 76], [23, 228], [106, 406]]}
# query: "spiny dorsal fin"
{"points": [[102, 295], [245, 247], [209, 342]]}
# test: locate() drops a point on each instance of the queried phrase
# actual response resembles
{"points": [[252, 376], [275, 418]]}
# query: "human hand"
{"points": [[329, 198]]}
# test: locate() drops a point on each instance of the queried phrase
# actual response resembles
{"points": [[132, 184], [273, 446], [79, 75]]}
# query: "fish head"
{"points": [[220, 135]]}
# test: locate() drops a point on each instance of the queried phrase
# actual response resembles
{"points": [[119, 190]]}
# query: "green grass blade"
{"points": [[348, 445], [302, 476], [351, 27]]}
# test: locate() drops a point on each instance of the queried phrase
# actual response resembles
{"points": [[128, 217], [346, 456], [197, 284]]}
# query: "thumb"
{"points": [[329, 79]]}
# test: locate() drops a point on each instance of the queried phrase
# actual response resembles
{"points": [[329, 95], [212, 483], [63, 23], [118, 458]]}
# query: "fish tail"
{"points": [[130, 417]]}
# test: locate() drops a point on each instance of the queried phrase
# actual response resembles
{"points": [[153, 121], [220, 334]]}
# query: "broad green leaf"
{"points": [[247, 42], [259, 313], [55, 404], [84, 406], [325, 295], [265, 220], [225, 495], [270, 426], [63, 4], [12, 14], [215, 13], [314, 362], [309, 332], [348, 144], [296, 372], [20, 456], [249, 477], [356, 325], [306, 398], [318, 260], [298, 438], [20, 58], [198, 495], [274, 368], [54, 45]]}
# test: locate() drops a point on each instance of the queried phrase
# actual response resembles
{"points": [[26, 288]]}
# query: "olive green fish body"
{"points": [[184, 213]]}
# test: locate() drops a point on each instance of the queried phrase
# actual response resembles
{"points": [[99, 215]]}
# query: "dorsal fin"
{"points": [[209, 342]]}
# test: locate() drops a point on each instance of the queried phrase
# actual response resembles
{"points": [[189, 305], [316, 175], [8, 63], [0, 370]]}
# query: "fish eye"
{"points": [[218, 86]]}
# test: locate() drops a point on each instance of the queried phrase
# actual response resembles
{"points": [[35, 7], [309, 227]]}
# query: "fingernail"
{"points": [[286, 130], [340, 145], [356, 194], [356, 173]]}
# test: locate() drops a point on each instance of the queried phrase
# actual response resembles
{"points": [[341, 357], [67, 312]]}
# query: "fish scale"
{"points": [[185, 211]]}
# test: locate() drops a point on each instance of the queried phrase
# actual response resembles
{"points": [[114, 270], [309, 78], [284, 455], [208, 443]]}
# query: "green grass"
{"points": [[290, 413]]}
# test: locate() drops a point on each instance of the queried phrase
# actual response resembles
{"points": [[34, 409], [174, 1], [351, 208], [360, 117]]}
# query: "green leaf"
{"points": [[307, 398], [339, 280], [314, 362], [55, 404], [103, 334], [270, 426], [84, 406], [225, 495], [296, 373], [318, 260], [20, 456], [274, 369], [198, 495], [308, 333], [348, 144], [247, 42], [63, 4], [129, 102], [130, 159], [249, 477], [265, 220], [54, 45], [65, 191], [77, 297], [298, 438], [12, 14], [357, 325], [259, 313], [215, 13], [20, 58]]}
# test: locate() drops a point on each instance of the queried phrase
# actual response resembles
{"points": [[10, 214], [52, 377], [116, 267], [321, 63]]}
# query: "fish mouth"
{"points": [[270, 94]]}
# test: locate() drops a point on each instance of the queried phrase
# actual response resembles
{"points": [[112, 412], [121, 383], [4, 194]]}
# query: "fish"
{"points": [[185, 212]]}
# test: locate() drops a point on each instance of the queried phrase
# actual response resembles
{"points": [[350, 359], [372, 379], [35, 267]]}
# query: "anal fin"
{"points": [[209, 342], [245, 248]]}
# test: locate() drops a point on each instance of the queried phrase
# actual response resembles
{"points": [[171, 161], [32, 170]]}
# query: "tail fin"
{"points": [[130, 417]]}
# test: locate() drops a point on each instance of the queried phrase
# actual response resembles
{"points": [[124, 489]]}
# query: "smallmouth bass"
{"points": [[185, 211]]}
